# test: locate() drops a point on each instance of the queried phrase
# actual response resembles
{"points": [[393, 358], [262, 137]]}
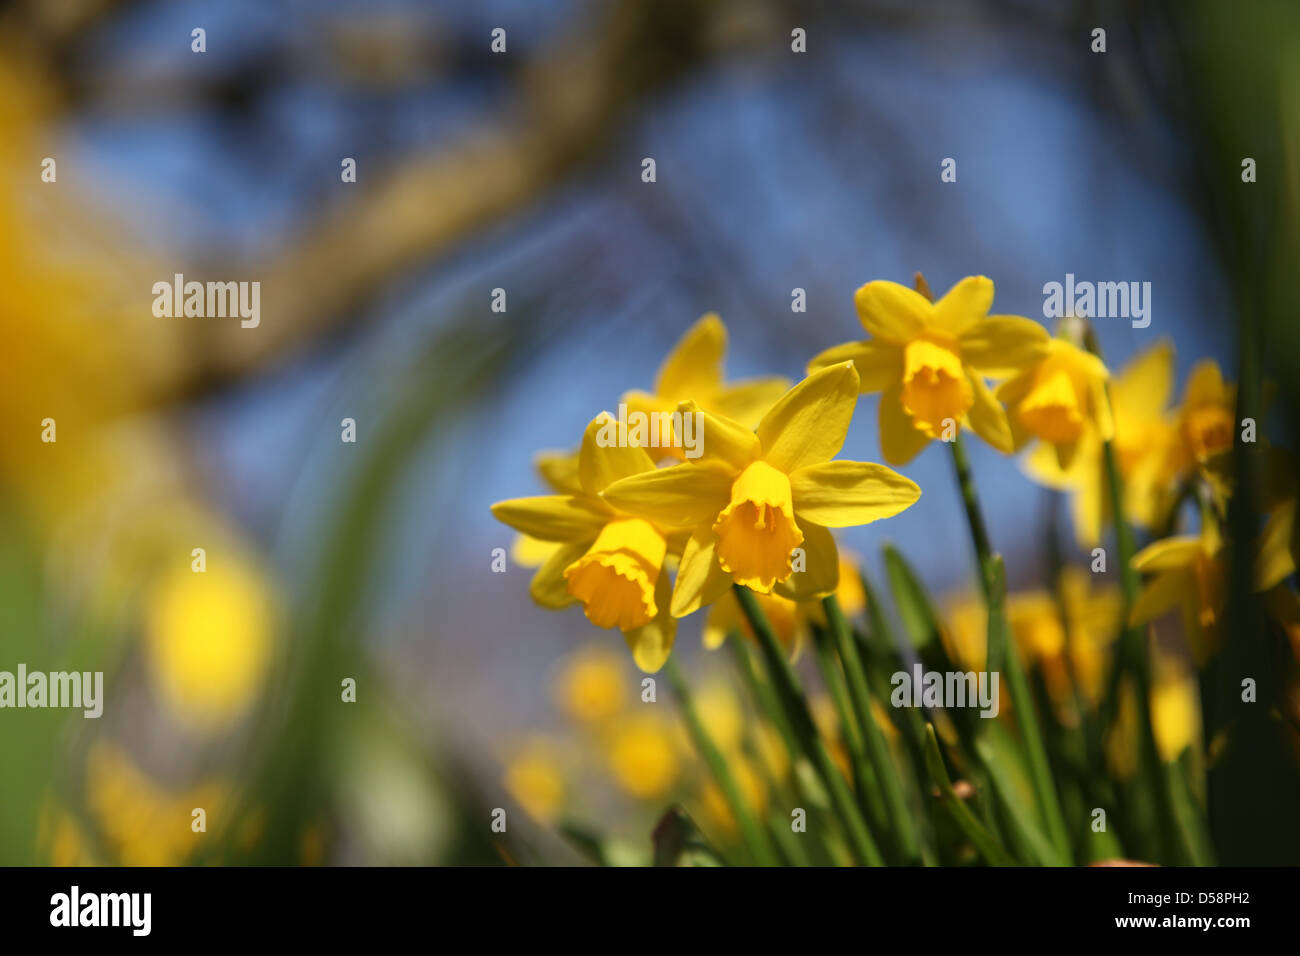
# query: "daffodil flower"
{"points": [[1187, 572], [610, 560], [1143, 430], [559, 472], [1060, 399], [753, 497], [693, 372], [930, 359], [1205, 418]]}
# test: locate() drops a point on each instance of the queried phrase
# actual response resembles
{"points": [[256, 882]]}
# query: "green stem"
{"points": [[909, 847], [755, 837], [1003, 651], [805, 731]]}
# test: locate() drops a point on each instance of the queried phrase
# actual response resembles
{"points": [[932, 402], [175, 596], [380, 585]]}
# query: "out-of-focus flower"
{"points": [[610, 560], [1143, 430], [208, 636], [1187, 572], [1059, 399], [593, 685], [140, 821], [643, 756], [693, 372], [1205, 418], [752, 790], [930, 359], [534, 777], [1175, 716], [752, 498], [721, 714]]}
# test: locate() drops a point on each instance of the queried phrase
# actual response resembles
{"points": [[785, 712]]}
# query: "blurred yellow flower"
{"points": [[752, 790], [643, 755], [535, 779], [1205, 420], [1143, 430], [1059, 399], [693, 372], [753, 498], [1175, 716], [593, 685], [930, 359], [208, 637]]}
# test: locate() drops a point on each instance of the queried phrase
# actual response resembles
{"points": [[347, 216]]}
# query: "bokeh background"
{"points": [[519, 171]]}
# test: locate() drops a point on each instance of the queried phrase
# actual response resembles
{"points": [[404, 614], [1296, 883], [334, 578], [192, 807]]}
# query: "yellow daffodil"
{"points": [[1060, 399], [930, 360], [534, 777], [1175, 716], [1143, 430], [1187, 572], [693, 372], [752, 790], [559, 472], [593, 685], [610, 560], [643, 758], [1205, 420], [753, 497]]}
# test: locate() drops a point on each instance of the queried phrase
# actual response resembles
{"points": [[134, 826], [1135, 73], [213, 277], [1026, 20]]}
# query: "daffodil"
{"points": [[754, 497], [1187, 572], [610, 560], [1175, 716], [1060, 399], [559, 472], [534, 777], [643, 758], [930, 361], [693, 372], [593, 685], [1205, 419], [1143, 430], [752, 790]]}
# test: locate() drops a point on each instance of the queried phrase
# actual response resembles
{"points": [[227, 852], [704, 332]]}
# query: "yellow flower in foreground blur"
{"points": [[208, 636], [1059, 399], [610, 560], [593, 685], [693, 372], [1205, 418], [534, 778], [1187, 572], [930, 360], [1139, 396], [752, 498], [643, 755], [752, 790], [1175, 716]]}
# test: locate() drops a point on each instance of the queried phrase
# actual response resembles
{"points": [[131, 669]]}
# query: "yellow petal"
{"points": [[602, 461], [900, 440], [723, 440], [937, 391], [988, 418], [1275, 562], [653, 642], [810, 421], [964, 304], [693, 368], [1161, 593], [531, 552], [1205, 385], [1003, 345], [748, 401], [700, 579], [617, 576], [1146, 384], [891, 311], [548, 587], [559, 469], [841, 494], [681, 496], [879, 363], [821, 566], [553, 517], [1168, 554]]}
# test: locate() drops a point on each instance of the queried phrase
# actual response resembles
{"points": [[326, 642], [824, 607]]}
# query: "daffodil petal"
{"points": [[682, 496], [693, 368], [1147, 382], [1205, 384], [1163, 592], [1275, 562], [700, 579], [559, 469], [900, 440], [553, 517], [810, 421], [1002, 345], [602, 461], [1167, 554], [841, 494], [746, 402], [821, 566], [964, 304], [879, 363], [988, 418], [722, 439], [891, 311], [549, 587]]}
